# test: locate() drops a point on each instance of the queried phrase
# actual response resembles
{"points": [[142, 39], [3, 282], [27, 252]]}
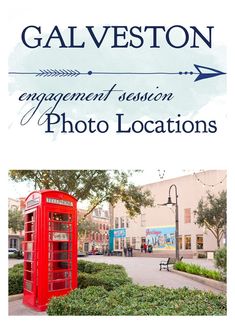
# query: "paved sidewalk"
{"points": [[16, 308], [143, 271], [12, 262]]}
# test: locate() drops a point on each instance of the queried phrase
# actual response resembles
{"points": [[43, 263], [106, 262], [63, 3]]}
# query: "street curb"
{"points": [[15, 297], [221, 286]]}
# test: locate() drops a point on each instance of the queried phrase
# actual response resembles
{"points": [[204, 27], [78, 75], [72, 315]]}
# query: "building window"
{"points": [[127, 241], [13, 243], [116, 222], [199, 241], [101, 226], [127, 223], [187, 215], [122, 222], [116, 244], [143, 240], [133, 242], [187, 242], [180, 242], [142, 220]]}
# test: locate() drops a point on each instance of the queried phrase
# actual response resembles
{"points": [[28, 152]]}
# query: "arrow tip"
{"points": [[206, 72]]}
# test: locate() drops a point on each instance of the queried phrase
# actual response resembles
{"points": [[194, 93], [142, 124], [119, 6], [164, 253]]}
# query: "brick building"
{"points": [[98, 239]]}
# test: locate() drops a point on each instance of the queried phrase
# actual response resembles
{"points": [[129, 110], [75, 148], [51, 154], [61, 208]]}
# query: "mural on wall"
{"points": [[161, 238]]}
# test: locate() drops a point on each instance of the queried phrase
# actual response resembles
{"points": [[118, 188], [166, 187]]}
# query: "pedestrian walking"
{"points": [[145, 247], [142, 248], [130, 251]]}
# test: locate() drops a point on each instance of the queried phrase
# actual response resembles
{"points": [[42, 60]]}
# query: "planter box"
{"points": [[219, 285]]}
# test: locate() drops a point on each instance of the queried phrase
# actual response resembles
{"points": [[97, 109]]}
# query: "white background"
{"points": [[184, 152]]}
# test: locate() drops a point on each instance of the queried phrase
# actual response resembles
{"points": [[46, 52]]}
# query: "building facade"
{"points": [[96, 241], [15, 239], [156, 226]]}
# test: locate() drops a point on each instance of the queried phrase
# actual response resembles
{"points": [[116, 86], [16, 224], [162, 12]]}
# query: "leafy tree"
{"points": [[96, 186], [212, 214], [86, 227], [15, 220], [221, 261]]}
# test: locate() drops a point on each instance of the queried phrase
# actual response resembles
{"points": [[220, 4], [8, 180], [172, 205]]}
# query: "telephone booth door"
{"points": [[60, 251]]}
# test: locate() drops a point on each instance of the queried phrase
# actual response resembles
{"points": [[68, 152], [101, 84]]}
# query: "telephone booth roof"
{"points": [[53, 196]]}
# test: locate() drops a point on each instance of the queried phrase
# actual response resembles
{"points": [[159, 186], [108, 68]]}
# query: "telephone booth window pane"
{"points": [[60, 255], [28, 275], [29, 217], [29, 227], [59, 236], [59, 246], [28, 256], [29, 236], [28, 246], [58, 226], [59, 285], [28, 285], [60, 217], [55, 275], [67, 246], [58, 265], [28, 266], [64, 265]]}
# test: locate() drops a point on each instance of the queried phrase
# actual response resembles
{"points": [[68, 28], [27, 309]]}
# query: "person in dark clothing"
{"points": [[142, 247], [130, 251]]}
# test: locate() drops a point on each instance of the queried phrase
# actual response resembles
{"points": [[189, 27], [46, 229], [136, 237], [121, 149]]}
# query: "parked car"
{"points": [[12, 251], [81, 254]]}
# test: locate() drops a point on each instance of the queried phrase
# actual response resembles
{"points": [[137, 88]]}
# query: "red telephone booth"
{"points": [[50, 247]]}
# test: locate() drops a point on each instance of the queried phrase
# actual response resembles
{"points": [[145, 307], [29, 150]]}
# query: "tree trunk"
{"points": [[218, 242]]}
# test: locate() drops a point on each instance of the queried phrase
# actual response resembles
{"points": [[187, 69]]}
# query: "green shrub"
{"points": [[89, 274], [198, 270], [89, 301], [138, 300], [93, 267], [15, 279], [81, 265], [102, 274], [221, 261], [12, 256]]}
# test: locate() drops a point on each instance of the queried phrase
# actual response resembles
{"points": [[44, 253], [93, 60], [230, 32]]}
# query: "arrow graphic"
{"points": [[208, 72], [203, 72]]}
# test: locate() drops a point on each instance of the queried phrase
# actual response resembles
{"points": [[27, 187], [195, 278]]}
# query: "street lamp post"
{"points": [[170, 203]]}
